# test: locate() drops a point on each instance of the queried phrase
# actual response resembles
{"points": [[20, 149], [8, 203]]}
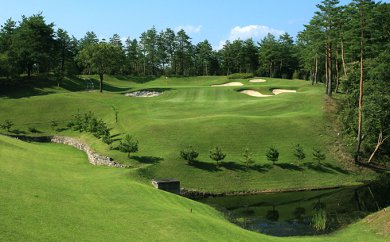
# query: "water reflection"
{"points": [[303, 213]]}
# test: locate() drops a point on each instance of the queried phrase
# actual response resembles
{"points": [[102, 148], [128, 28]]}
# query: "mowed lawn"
{"points": [[49, 192], [190, 111]]}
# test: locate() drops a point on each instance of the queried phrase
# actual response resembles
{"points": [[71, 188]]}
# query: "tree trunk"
{"points": [[360, 108], [316, 71], [326, 70], [343, 60], [381, 140], [330, 71], [101, 82], [29, 72], [337, 70]]}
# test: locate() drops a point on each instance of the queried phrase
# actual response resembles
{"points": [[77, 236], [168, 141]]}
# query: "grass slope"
{"points": [[192, 112], [49, 192]]}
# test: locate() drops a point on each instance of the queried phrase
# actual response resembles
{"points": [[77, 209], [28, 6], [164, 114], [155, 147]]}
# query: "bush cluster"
{"points": [[240, 76], [88, 122]]}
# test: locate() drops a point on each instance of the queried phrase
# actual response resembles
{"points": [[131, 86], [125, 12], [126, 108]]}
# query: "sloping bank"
{"points": [[93, 157]]}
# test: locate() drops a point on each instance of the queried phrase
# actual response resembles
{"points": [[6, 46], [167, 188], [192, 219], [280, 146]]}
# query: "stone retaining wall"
{"points": [[93, 158]]}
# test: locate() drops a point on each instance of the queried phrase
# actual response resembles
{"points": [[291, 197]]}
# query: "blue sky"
{"points": [[215, 20]]}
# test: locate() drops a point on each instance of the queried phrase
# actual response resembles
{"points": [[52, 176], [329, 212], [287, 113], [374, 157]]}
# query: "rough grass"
{"points": [[49, 192], [192, 112]]}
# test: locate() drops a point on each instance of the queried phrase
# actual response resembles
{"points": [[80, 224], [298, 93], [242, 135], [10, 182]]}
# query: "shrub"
{"points": [[318, 155], [272, 155], [189, 154], [54, 125], [7, 125], [217, 154], [128, 145], [240, 76], [248, 160], [33, 130], [299, 153], [107, 139]]}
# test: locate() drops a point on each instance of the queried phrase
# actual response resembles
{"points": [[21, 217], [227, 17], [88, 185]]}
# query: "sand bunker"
{"points": [[143, 94], [279, 91], [257, 80], [254, 93], [229, 84]]}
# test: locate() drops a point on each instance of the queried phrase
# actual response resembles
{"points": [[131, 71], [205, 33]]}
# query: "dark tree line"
{"points": [[33, 46]]}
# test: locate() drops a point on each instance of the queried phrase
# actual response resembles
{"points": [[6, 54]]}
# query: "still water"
{"points": [[303, 213]]}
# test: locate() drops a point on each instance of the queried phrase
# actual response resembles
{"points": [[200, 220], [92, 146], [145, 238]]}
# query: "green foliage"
{"points": [[128, 145], [189, 154], [87, 122], [248, 157], [299, 153], [33, 130], [318, 155], [272, 154], [240, 76], [7, 125], [54, 125], [319, 218], [217, 155]]}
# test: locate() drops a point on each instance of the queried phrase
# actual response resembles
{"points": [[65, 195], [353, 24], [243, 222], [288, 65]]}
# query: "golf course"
{"points": [[195, 121], [50, 191]]}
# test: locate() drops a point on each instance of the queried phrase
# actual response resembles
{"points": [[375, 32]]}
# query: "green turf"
{"points": [[190, 111], [49, 192]]}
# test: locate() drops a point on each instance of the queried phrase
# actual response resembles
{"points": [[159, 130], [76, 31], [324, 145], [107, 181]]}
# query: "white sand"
{"points": [[254, 93], [229, 84], [279, 91], [257, 80]]}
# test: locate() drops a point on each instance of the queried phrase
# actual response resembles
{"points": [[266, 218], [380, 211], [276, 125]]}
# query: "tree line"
{"points": [[348, 48], [33, 46]]}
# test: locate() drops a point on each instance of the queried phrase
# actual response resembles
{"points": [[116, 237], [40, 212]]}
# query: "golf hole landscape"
{"points": [[166, 138]]}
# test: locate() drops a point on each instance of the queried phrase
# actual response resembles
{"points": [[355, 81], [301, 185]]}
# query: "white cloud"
{"points": [[189, 29], [256, 32]]}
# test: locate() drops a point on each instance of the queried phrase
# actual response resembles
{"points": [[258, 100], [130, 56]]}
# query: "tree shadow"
{"points": [[261, 168], [147, 159], [233, 166], [317, 167], [136, 79], [204, 166], [335, 168], [289, 166], [326, 168], [17, 131]]}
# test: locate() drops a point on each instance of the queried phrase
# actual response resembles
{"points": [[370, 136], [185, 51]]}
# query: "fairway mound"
{"points": [[254, 93], [279, 91], [229, 84], [257, 80], [143, 94]]}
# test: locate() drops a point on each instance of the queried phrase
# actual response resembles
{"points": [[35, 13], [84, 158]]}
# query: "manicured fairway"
{"points": [[191, 111]]}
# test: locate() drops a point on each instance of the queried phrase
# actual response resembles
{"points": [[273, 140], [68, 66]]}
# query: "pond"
{"points": [[303, 213]]}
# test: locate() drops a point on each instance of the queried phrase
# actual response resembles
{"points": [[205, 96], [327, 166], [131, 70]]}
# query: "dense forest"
{"points": [[346, 47]]}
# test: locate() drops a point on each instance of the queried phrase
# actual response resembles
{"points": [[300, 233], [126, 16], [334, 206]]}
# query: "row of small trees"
{"points": [[190, 154]]}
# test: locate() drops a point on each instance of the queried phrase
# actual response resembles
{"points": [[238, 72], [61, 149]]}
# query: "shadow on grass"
{"points": [[205, 166], [17, 131], [136, 79], [325, 168], [261, 168], [289, 166], [233, 166], [147, 159]]}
